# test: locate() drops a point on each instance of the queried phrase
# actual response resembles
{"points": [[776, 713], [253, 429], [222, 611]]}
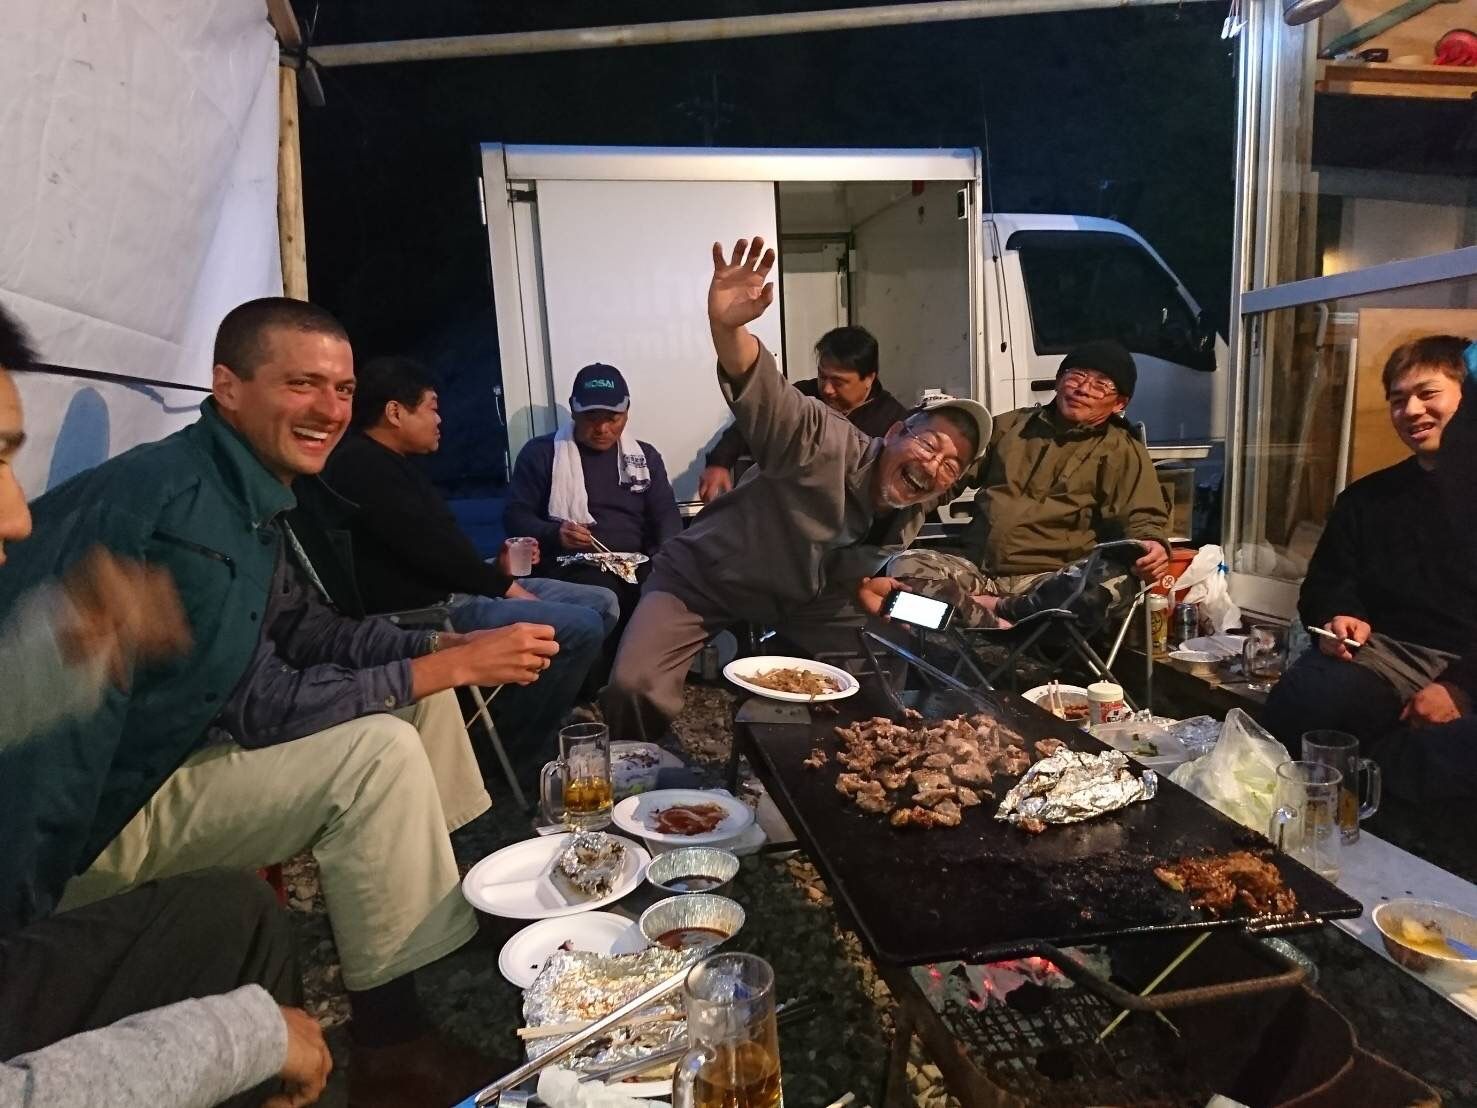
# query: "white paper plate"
{"points": [[515, 881], [526, 952], [1222, 646], [635, 815], [741, 670]]}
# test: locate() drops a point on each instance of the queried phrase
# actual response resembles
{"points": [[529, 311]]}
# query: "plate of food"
{"points": [[556, 875], [798, 680], [683, 817], [575, 987], [1068, 702], [526, 952], [618, 562]]}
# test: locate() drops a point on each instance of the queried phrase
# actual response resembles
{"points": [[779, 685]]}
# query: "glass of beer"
{"points": [[575, 787], [1360, 797], [733, 1060], [1305, 822]]}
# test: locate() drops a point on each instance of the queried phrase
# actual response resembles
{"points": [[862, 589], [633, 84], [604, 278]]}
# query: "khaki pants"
{"points": [[373, 799], [646, 680]]}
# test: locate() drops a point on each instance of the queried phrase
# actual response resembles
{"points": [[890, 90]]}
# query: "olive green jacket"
{"points": [[1049, 492]]}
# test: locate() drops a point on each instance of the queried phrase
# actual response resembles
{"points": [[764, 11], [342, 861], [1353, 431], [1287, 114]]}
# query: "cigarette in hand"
{"points": [[1352, 644]]}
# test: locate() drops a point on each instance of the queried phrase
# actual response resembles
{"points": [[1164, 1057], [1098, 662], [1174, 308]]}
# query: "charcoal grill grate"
{"points": [[1040, 1044]]}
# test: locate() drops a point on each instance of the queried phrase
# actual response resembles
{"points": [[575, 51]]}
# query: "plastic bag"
{"points": [[1239, 776], [1204, 583]]}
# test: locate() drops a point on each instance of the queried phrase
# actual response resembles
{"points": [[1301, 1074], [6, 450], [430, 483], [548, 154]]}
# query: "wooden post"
{"points": [[291, 233]]}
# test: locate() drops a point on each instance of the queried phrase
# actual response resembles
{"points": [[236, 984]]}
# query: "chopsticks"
{"points": [[1154, 984], [1054, 698], [792, 1011], [600, 546], [490, 1094], [553, 1030]]}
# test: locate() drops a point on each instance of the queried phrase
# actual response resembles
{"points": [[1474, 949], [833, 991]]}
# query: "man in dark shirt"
{"points": [[1434, 757], [410, 552], [591, 482], [845, 379], [1385, 576]]}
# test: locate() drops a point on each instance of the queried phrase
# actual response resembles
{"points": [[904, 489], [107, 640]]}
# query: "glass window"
{"points": [[1315, 416], [1092, 285], [1361, 171]]}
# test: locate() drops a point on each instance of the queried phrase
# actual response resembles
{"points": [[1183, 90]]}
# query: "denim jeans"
{"points": [[527, 716]]}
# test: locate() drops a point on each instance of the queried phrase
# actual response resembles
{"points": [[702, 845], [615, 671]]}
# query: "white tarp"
{"points": [[138, 185]]}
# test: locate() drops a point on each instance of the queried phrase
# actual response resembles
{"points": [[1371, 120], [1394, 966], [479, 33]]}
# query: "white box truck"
{"points": [[602, 254]]}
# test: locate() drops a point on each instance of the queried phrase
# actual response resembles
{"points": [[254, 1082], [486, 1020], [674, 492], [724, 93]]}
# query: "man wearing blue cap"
{"points": [[592, 484]]}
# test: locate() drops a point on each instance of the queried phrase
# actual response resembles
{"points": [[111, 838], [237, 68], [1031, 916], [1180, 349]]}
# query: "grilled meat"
{"points": [[925, 775], [1218, 882]]}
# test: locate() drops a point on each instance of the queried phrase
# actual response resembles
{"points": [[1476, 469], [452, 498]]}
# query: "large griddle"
{"points": [[986, 891]]}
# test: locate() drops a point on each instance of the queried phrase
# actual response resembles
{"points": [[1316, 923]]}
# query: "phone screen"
{"points": [[921, 611]]}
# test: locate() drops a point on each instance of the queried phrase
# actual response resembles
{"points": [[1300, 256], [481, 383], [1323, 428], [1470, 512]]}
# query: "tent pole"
{"points": [[291, 233], [699, 30]]}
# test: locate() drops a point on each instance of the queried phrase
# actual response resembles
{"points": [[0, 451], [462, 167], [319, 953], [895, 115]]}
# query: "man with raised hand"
{"points": [[823, 508]]}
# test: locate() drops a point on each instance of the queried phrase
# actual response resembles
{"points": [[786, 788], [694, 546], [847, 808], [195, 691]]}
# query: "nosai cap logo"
{"points": [[599, 386]]}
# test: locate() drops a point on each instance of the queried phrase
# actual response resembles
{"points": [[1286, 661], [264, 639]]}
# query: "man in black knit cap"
{"points": [[1060, 478]]}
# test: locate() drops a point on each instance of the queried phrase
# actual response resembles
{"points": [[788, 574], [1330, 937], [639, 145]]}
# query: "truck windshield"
{"points": [[1085, 285]]}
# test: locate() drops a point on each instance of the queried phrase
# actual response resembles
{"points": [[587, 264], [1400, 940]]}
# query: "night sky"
{"points": [[1129, 114]]}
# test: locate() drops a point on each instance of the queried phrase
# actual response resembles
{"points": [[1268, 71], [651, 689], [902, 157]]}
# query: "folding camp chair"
{"points": [[1069, 620], [437, 617]]}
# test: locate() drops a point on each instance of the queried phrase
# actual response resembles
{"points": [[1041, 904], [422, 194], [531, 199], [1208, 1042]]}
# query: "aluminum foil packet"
{"points": [[622, 565], [591, 863], [579, 985], [1071, 786]]}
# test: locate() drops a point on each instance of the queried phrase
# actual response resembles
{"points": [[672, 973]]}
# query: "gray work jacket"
{"points": [[787, 542]]}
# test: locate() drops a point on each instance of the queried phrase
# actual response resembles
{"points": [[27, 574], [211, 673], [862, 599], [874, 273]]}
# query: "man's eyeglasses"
{"points": [[1097, 387], [947, 467]]}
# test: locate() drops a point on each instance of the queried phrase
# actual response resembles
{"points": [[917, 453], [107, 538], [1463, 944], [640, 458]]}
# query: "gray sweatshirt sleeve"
{"points": [[193, 1054], [38, 685], [787, 431]]}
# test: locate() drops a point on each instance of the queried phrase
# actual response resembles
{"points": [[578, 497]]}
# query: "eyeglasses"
{"points": [[947, 467], [1096, 386]]}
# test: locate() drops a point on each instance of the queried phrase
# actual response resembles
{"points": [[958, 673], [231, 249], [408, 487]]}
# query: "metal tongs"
{"points": [[492, 1094]]}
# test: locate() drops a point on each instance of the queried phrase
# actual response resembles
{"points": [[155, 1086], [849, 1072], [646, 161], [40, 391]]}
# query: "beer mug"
{"points": [[1305, 819], [575, 787], [1360, 797], [733, 1057]]}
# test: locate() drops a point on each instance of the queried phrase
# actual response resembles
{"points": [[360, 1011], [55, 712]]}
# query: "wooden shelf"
{"points": [[1428, 82]]}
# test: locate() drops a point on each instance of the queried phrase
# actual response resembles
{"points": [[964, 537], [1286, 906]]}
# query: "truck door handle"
{"points": [[1044, 384]]}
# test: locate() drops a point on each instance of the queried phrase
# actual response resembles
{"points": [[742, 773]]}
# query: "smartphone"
{"points": [[919, 610]]}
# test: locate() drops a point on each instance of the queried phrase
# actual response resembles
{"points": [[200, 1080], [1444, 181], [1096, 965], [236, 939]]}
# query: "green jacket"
{"points": [[1050, 492], [197, 503]]}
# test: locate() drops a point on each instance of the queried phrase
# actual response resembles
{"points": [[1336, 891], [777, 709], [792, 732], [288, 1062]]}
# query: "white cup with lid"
{"points": [[1105, 703]]}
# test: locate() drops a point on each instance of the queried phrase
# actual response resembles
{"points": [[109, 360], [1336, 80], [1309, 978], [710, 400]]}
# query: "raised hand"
{"points": [[740, 291]]}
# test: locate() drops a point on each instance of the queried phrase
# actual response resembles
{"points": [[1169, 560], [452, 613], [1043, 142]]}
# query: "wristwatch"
{"points": [[433, 642]]}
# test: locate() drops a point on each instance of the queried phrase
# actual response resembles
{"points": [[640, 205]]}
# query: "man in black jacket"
{"points": [[410, 552], [1434, 757], [845, 378], [1385, 576]]}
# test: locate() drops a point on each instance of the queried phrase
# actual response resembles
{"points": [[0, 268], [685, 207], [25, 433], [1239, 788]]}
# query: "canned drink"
{"points": [[709, 664], [1159, 623], [1186, 621]]}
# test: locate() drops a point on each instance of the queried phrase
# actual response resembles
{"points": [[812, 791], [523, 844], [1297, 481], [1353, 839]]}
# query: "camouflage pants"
{"points": [[956, 580]]}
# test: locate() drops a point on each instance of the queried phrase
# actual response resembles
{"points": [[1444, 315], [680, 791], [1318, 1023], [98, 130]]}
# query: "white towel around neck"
{"points": [[568, 501]]}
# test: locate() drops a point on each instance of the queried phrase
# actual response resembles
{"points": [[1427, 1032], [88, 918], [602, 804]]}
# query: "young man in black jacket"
{"points": [[410, 552], [845, 378], [1386, 575]]}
